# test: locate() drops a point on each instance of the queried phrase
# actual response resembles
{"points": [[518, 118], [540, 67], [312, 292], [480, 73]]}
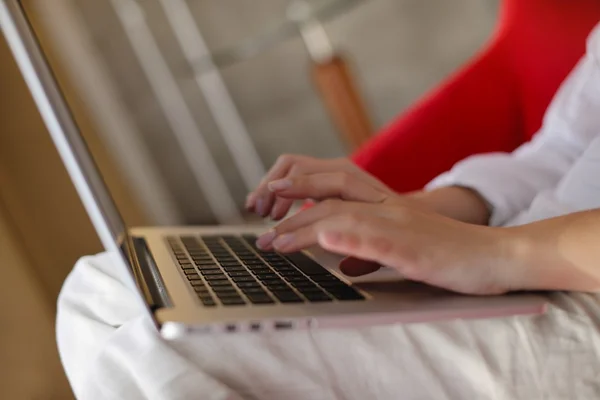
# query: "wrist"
{"points": [[536, 263], [459, 203]]}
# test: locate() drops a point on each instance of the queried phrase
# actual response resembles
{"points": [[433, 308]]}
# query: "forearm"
{"points": [[557, 254], [455, 202]]}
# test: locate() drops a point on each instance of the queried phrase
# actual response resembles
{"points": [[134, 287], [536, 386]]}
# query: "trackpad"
{"points": [[332, 262]]}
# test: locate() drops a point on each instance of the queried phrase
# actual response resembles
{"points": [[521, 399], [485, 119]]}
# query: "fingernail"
{"points": [[250, 200], [265, 239], [283, 241], [260, 204], [280, 184], [274, 213]]}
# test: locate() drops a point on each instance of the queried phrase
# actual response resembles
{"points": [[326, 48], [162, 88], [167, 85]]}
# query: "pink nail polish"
{"points": [[265, 239], [283, 241], [250, 201], [260, 204], [280, 184]]}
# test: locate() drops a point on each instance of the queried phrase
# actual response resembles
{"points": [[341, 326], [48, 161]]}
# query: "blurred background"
{"points": [[184, 105]]}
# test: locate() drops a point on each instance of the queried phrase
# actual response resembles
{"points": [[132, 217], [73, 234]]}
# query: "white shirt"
{"points": [[111, 351], [558, 172]]}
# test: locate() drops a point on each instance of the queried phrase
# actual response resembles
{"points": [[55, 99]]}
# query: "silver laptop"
{"points": [[214, 279]]}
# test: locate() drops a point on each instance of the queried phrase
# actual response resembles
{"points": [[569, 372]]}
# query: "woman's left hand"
{"points": [[423, 246]]}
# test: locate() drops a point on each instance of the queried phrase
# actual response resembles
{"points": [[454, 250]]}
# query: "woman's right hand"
{"points": [[295, 177]]}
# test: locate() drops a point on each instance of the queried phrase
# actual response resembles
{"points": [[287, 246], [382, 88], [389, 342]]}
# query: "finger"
{"points": [[303, 237], [287, 165], [300, 168], [315, 214], [327, 185], [309, 216], [281, 208], [373, 239], [279, 170], [302, 219], [352, 266], [250, 202]]}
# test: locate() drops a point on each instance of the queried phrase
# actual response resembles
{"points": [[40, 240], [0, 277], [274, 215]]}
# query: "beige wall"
{"points": [[33, 260], [398, 49], [43, 231]]}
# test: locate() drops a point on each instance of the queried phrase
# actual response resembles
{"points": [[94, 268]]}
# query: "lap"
{"points": [[552, 356]]}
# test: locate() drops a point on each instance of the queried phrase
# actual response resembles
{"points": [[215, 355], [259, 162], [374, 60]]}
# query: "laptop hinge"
{"points": [[147, 274]]}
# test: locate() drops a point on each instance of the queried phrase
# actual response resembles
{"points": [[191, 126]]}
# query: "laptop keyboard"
{"points": [[232, 271]]}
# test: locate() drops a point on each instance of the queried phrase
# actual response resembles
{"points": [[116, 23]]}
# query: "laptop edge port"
{"points": [[283, 325]]}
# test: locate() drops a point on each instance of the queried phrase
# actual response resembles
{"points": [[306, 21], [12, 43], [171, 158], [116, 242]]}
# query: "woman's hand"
{"points": [[301, 178], [295, 177], [423, 246]]}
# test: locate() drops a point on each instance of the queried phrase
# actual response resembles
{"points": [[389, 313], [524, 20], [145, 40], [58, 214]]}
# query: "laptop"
{"points": [[207, 280]]}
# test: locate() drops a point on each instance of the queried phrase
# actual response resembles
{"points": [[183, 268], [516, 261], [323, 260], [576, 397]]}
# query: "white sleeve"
{"points": [[510, 182]]}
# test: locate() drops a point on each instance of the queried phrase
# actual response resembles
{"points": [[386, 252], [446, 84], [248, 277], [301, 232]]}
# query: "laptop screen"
{"points": [[59, 121]]}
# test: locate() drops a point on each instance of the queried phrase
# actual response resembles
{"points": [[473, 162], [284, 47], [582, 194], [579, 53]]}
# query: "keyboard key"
{"points": [[325, 277], [277, 286], [332, 285], [233, 263], [300, 280], [202, 293], [260, 269], [346, 293], [271, 280], [239, 279], [248, 285], [306, 265], [219, 282], [268, 275], [189, 271], [240, 273], [228, 237], [203, 260], [222, 261], [305, 285], [316, 297], [251, 239], [208, 302], [232, 301], [225, 291], [254, 262], [212, 273], [286, 270], [260, 299], [209, 270], [197, 282], [294, 277], [237, 268], [253, 290], [288, 297]]}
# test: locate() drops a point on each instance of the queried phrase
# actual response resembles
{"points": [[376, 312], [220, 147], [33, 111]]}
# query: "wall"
{"points": [[43, 231], [398, 48]]}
